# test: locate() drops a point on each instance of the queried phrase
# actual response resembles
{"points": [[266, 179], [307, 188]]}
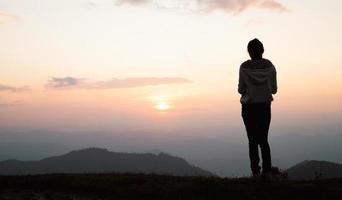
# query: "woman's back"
{"points": [[257, 81]]}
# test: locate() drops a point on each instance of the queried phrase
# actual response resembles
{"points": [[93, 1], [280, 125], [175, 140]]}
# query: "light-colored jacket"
{"points": [[257, 81]]}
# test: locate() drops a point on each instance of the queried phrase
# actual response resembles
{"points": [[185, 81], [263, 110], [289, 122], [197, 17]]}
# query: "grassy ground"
{"points": [[150, 187]]}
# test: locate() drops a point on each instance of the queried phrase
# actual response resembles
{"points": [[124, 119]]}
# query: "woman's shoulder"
{"points": [[268, 62], [257, 64], [246, 64]]}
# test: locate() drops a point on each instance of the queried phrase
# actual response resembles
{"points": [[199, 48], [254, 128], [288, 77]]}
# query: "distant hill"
{"points": [[4, 157], [96, 160], [309, 170]]}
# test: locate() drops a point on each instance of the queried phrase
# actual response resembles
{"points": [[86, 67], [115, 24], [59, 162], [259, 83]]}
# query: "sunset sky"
{"points": [[164, 64]]}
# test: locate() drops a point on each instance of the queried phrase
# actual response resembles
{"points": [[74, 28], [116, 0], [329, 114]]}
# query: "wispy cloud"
{"points": [[13, 89], [115, 83], [273, 5], [10, 104], [207, 6], [133, 2], [64, 82], [4, 17], [237, 6]]}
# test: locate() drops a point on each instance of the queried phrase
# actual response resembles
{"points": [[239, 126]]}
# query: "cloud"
{"points": [[64, 82], [4, 88], [71, 82], [133, 2], [273, 5], [4, 14], [10, 104], [207, 6], [237, 6], [4, 17]]}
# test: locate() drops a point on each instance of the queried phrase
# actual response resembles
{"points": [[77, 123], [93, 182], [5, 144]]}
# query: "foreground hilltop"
{"points": [[157, 187], [97, 160]]}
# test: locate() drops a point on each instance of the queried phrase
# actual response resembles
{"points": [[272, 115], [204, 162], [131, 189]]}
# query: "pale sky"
{"points": [[163, 64]]}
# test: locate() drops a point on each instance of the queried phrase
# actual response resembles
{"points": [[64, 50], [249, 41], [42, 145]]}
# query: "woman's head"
{"points": [[255, 49]]}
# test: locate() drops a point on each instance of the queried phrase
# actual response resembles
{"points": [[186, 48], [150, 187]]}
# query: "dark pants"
{"points": [[257, 118]]}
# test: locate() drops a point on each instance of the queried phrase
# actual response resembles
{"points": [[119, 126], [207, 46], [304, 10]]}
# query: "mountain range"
{"points": [[97, 160]]}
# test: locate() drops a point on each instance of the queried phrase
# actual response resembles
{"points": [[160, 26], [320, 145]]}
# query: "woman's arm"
{"points": [[274, 82], [242, 84]]}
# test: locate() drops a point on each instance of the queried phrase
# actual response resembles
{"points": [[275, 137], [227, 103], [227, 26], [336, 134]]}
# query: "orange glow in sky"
{"points": [[64, 61]]}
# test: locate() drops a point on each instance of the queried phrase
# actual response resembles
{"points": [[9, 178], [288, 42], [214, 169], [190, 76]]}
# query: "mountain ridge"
{"points": [[314, 169], [99, 160]]}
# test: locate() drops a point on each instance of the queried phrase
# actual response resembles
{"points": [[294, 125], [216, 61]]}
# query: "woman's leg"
{"points": [[248, 115], [264, 124]]}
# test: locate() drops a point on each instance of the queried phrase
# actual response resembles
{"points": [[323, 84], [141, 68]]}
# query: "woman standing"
{"points": [[257, 83]]}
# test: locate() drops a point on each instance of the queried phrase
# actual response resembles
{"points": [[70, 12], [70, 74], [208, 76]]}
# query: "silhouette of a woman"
{"points": [[257, 83]]}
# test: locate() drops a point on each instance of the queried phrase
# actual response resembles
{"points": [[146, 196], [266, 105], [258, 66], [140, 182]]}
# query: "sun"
{"points": [[163, 106]]}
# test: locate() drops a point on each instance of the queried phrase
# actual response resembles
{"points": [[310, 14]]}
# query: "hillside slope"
{"points": [[96, 160], [309, 170]]}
